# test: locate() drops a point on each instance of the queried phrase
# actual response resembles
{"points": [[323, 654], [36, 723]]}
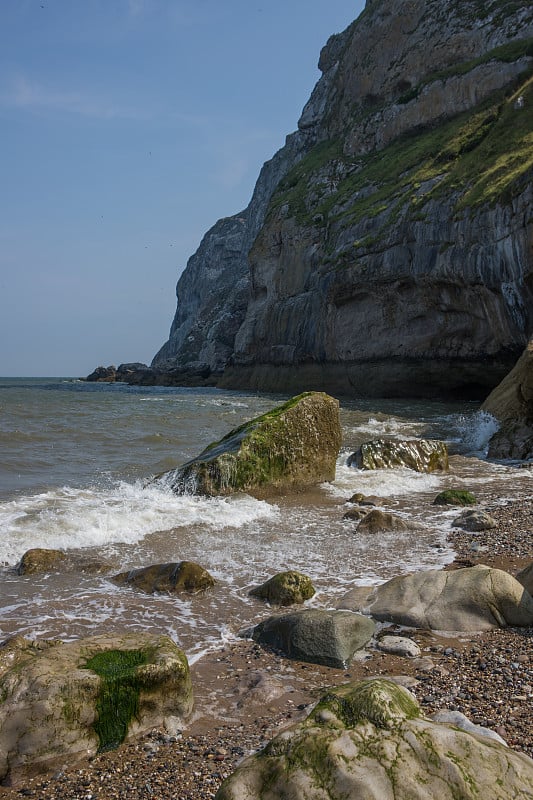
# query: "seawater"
{"points": [[75, 468]]}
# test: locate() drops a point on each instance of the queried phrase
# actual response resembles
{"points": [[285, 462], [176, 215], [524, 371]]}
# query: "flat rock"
{"points": [[474, 521], [399, 646], [471, 599]]}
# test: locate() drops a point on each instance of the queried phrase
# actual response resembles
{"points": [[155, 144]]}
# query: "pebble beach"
{"points": [[245, 695]]}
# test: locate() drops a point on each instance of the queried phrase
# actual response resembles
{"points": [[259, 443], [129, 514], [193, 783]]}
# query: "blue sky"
{"points": [[128, 127]]}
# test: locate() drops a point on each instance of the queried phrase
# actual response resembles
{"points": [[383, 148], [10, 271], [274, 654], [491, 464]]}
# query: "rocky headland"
{"points": [[386, 248]]}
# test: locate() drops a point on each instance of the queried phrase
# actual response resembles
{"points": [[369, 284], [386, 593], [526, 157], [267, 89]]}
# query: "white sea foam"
{"points": [[381, 482], [474, 431], [73, 518]]}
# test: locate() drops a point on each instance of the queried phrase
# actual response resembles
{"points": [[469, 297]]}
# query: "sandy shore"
{"points": [[245, 696]]}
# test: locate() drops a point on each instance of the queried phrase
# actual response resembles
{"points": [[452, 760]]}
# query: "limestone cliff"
{"points": [[388, 246]]}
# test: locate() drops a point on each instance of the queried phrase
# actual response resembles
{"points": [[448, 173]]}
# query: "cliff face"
{"points": [[388, 248]]}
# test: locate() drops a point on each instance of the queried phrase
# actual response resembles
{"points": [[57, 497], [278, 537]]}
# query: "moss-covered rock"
{"points": [[59, 700], [421, 455], [39, 559], [292, 446], [377, 521], [285, 588], [454, 497], [370, 740], [171, 578]]}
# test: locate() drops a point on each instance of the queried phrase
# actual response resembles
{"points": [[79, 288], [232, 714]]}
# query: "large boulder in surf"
{"points": [[315, 635], [172, 578], [371, 740], [511, 403], [377, 521], [60, 700], [39, 559], [472, 599], [421, 455], [292, 446], [285, 589]]}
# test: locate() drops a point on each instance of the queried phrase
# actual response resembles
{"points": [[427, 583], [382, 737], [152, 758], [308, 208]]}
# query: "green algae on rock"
{"points": [[171, 578], [454, 497], [371, 740], [285, 588], [292, 446], [421, 455], [61, 699]]}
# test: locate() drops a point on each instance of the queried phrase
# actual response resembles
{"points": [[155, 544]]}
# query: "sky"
{"points": [[127, 128]]}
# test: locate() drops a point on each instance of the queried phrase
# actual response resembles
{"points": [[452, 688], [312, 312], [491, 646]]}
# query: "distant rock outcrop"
{"points": [[294, 445], [387, 247]]}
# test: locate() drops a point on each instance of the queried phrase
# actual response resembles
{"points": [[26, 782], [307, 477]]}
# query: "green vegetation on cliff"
{"points": [[478, 156]]}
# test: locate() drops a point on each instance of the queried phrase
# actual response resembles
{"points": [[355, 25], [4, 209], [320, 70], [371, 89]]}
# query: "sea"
{"points": [[77, 470]]}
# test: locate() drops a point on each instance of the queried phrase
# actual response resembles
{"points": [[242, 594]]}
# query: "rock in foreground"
{"points": [[60, 699], [319, 637], [369, 740], [422, 455], [473, 599], [292, 446]]}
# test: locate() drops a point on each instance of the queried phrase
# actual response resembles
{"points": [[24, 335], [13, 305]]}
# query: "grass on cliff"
{"points": [[479, 155]]}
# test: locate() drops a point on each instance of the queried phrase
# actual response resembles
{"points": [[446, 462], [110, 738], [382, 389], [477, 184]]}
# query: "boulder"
{"points": [[525, 577], [292, 446], [39, 559], [370, 740], [317, 636], [422, 455], [103, 375], [454, 497], [285, 588], [377, 521], [60, 700], [474, 521], [511, 403], [171, 578], [471, 599], [365, 500]]}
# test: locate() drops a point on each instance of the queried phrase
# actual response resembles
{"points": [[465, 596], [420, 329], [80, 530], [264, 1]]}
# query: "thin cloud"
{"points": [[28, 95]]}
